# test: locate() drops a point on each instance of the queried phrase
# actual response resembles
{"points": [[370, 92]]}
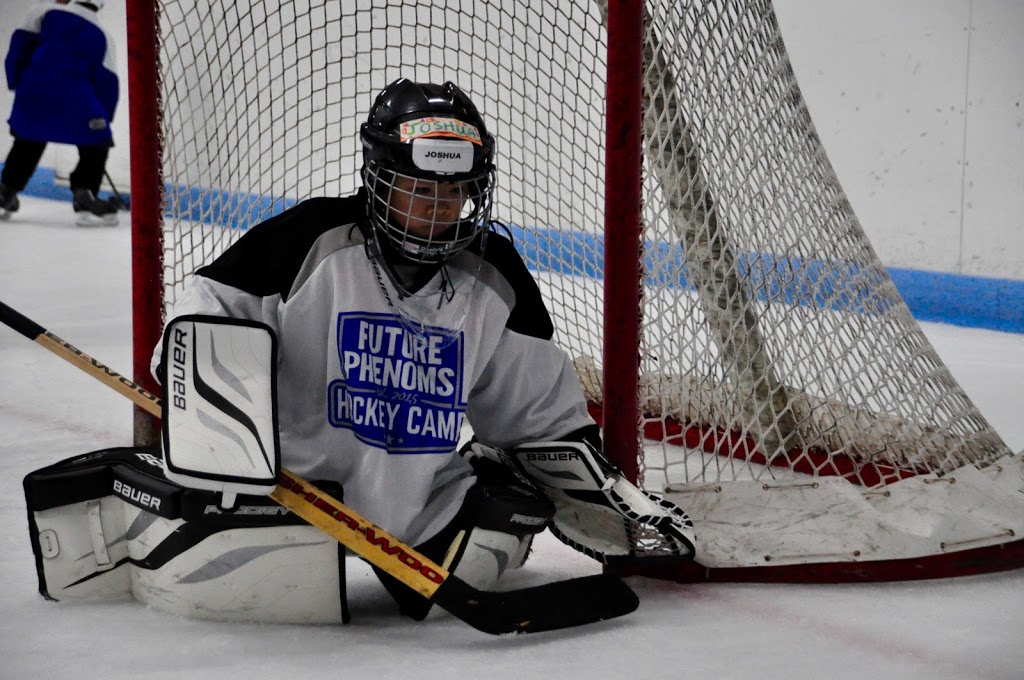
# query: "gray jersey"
{"points": [[374, 401]]}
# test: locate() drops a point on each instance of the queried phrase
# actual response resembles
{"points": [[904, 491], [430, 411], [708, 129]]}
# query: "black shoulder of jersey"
{"points": [[267, 258], [529, 316]]}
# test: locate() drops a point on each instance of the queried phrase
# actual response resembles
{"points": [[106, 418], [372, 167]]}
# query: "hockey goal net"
{"points": [[738, 337]]}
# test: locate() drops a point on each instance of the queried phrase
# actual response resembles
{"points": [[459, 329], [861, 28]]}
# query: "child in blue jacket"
{"points": [[60, 65]]}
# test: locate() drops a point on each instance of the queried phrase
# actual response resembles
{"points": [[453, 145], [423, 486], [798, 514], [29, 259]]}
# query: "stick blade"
{"points": [[552, 606]]}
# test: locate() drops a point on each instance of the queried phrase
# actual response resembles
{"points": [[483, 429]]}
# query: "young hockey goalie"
{"points": [[384, 322]]}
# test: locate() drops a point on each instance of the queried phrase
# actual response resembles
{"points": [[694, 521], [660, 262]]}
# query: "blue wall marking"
{"points": [[958, 299]]}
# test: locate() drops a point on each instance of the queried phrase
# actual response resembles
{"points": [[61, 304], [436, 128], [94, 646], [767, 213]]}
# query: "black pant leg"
{"points": [[21, 163], [92, 161]]}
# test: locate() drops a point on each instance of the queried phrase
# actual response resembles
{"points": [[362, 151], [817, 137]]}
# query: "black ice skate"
{"points": [[91, 211], [8, 202]]}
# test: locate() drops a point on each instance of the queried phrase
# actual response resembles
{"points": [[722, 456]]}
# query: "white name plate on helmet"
{"points": [[220, 405], [442, 155]]}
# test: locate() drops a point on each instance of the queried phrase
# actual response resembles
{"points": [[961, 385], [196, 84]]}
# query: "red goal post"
{"points": [[144, 120], [737, 336]]}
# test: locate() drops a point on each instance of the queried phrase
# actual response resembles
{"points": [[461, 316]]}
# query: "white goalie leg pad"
{"points": [[598, 511], [220, 415], [285, 573], [107, 525]]}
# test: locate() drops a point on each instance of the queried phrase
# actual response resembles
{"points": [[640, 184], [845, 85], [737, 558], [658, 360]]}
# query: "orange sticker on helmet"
{"points": [[439, 127]]}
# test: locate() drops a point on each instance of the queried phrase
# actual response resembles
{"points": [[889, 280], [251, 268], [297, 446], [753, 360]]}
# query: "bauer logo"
{"points": [[442, 155], [136, 496], [561, 455], [399, 391], [179, 351]]}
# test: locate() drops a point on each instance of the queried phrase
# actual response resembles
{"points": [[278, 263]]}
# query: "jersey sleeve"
{"points": [[203, 295], [253, 276], [528, 390]]}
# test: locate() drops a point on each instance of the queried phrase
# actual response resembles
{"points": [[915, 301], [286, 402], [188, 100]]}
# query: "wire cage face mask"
{"points": [[426, 221]]}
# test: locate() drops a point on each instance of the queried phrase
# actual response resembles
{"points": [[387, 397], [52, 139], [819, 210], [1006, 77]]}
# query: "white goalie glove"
{"points": [[220, 406], [598, 511]]}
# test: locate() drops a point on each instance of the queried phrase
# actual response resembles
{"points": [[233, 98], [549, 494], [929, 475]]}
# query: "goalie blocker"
{"points": [[109, 525], [220, 418]]}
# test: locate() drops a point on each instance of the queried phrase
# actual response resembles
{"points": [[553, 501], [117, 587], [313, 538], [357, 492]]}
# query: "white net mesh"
{"points": [[795, 337], [774, 346]]}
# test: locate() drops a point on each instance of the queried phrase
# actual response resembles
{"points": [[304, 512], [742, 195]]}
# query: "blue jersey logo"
{"points": [[400, 391]]}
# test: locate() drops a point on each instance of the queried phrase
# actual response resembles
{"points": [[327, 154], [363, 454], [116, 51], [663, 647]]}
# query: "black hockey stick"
{"points": [[117, 200], [552, 606]]}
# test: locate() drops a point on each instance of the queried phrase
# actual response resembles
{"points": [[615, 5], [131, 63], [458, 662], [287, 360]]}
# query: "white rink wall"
{"points": [[920, 104]]}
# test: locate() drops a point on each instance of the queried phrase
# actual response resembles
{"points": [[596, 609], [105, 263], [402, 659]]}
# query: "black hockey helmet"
{"points": [[419, 136]]}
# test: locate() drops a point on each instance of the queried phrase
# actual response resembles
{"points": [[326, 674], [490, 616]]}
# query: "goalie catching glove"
{"points": [[598, 511]]}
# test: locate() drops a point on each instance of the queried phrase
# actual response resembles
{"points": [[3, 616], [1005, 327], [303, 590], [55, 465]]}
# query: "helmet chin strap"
{"points": [[384, 257], [447, 290]]}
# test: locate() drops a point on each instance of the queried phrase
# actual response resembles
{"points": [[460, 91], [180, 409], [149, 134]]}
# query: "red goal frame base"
{"points": [[985, 560]]}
